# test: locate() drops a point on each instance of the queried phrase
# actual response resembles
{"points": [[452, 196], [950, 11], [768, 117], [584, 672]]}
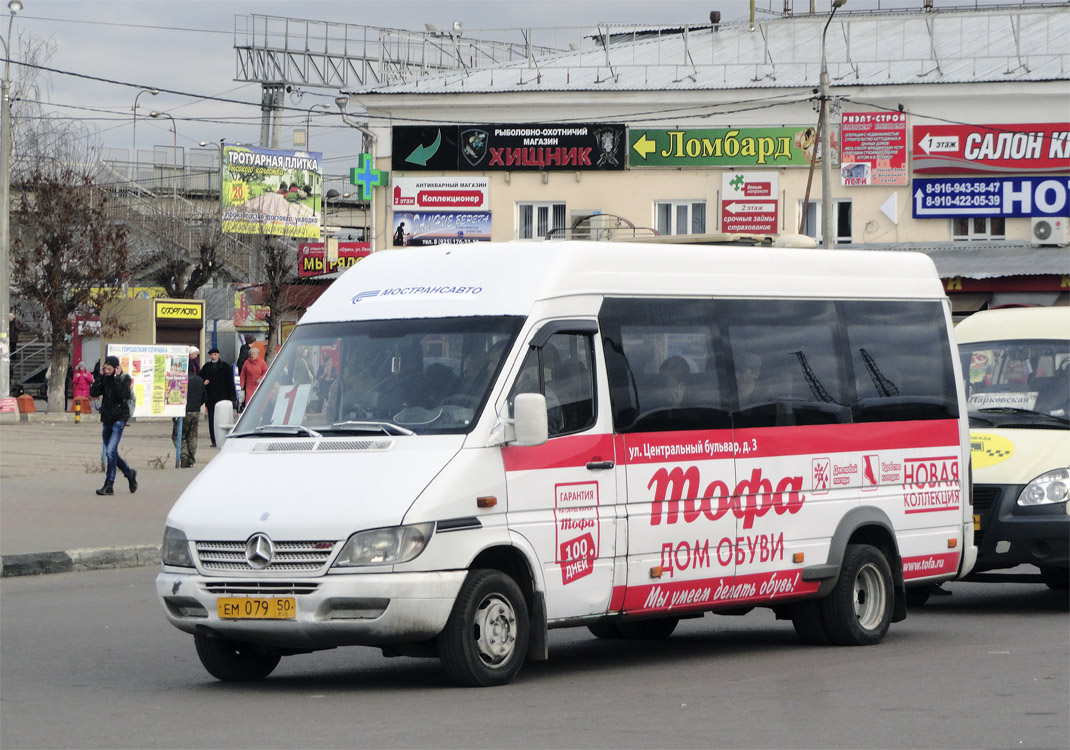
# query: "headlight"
{"points": [[1046, 489], [175, 549], [396, 544]]}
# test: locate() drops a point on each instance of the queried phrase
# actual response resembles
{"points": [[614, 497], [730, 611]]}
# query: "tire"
{"points": [[859, 609], [1056, 578], [918, 595], [607, 630], [809, 623], [648, 630], [234, 661], [485, 639]]}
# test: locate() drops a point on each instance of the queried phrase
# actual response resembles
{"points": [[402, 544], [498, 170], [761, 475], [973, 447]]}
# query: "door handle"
{"points": [[596, 465]]}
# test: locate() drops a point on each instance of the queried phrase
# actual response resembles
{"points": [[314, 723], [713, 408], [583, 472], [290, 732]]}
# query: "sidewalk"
{"points": [[52, 521]]}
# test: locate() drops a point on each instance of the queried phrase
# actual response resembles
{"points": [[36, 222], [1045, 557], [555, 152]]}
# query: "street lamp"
{"points": [[153, 92], [308, 123], [369, 146], [14, 6], [174, 137], [826, 152]]}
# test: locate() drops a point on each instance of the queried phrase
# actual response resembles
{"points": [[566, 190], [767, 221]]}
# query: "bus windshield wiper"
{"points": [[283, 430], [388, 428]]}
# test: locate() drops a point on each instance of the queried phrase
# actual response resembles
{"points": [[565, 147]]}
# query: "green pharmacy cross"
{"points": [[366, 177]]}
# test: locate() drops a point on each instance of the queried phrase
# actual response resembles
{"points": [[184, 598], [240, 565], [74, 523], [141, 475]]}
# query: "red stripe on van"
{"points": [[562, 452], [701, 445], [925, 566]]}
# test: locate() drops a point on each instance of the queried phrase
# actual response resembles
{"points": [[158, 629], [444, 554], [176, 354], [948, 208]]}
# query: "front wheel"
{"points": [[486, 636], [859, 609], [235, 661]]}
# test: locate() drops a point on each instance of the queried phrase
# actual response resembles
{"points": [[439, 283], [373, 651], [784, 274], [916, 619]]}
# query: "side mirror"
{"points": [[529, 419], [223, 417]]}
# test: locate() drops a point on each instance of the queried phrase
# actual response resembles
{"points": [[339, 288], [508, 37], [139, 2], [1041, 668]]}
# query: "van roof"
{"points": [[1015, 323], [508, 278]]}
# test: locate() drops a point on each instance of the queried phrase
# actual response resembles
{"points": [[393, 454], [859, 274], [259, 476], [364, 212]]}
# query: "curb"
{"points": [[101, 558]]}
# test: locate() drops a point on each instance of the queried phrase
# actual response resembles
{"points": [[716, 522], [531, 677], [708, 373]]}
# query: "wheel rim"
{"points": [[869, 597], [495, 630]]}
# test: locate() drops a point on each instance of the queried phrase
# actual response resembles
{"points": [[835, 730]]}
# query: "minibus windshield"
{"points": [[380, 377], [1019, 383]]}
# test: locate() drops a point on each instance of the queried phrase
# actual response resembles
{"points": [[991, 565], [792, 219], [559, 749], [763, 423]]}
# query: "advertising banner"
{"points": [[159, 375], [415, 228], [722, 147], [873, 148], [271, 192], [992, 149], [749, 202], [440, 194], [312, 257], [1010, 197], [513, 147]]}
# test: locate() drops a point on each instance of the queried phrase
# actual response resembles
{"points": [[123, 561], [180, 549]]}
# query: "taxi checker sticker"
{"points": [[987, 449]]}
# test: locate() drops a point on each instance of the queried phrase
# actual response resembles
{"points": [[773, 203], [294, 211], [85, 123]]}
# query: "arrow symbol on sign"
{"points": [[644, 146], [422, 153], [942, 143]]}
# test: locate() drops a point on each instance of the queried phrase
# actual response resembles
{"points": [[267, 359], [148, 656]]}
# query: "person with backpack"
{"points": [[115, 389]]}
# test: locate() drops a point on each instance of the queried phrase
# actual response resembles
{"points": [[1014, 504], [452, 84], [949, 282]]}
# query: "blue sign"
{"points": [[366, 176], [1010, 197]]}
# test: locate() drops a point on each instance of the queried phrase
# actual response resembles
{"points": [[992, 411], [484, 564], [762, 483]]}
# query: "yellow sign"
{"points": [[987, 449], [178, 310]]}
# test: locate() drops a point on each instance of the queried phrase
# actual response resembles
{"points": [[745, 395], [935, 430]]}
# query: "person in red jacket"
{"points": [[252, 372], [82, 380]]}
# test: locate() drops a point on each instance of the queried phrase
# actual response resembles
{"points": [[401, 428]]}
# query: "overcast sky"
{"points": [[188, 46]]}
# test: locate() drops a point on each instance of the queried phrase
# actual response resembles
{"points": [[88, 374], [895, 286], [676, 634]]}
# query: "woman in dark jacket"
{"points": [[116, 390]]}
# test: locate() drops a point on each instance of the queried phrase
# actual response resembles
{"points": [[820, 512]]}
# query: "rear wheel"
{"points": [[648, 630], [859, 609], [486, 637], [235, 661]]}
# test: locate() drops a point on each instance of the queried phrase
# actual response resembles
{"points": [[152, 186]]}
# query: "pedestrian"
{"points": [[218, 386], [195, 398], [82, 381], [252, 373], [243, 352], [115, 389], [303, 372], [194, 360]]}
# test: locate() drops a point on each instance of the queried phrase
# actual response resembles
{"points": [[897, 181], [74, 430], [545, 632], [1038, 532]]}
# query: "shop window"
{"points": [[841, 217], [681, 217], [535, 220], [978, 228]]}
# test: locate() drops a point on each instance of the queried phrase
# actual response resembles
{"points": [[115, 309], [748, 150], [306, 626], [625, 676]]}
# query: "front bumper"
{"points": [[373, 609], [1012, 535]]}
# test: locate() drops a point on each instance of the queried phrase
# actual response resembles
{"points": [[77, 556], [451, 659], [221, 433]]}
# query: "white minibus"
{"points": [[526, 436], [1016, 366]]}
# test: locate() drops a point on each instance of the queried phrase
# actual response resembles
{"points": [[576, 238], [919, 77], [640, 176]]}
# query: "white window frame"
{"points": [[542, 214], [816, 231], [675, 207], [975, 232]]}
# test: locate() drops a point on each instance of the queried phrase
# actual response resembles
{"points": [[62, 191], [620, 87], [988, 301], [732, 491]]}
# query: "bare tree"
{"points": [[184, 246], [68, 254], [277, 258]]}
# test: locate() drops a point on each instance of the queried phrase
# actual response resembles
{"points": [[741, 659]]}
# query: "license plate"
{"points": [[976, 521], [256, 608]]}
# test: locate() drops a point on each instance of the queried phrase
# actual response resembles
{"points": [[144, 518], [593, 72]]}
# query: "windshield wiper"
{"points": [[388, 428], [282, 430], [1009, 412]]}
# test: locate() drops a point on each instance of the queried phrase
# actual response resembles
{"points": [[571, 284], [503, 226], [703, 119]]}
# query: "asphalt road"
{"points": [[89, 662]]}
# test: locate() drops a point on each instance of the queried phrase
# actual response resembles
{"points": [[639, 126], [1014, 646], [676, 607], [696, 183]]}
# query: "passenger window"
{"points": [[901, 361], [787, 365], [563, 371], [661, 363]]}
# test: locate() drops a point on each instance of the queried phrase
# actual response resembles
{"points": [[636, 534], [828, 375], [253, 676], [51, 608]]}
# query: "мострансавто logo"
{"points": [[408, 291]]}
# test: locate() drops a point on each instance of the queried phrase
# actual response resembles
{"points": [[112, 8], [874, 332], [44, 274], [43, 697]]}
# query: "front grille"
{"points": [[327, 445], [259, 588], [306, 557], [986, 496]]}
